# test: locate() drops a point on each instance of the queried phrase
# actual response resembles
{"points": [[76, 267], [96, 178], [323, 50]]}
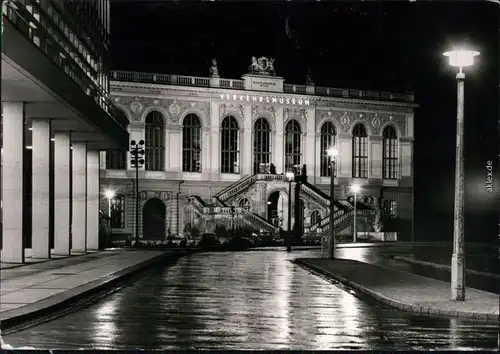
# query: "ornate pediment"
{"points": [[146, 195], [262, 66]]}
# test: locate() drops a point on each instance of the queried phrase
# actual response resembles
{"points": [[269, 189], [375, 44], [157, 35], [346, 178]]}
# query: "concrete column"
{"points": [[41, 194], [79, 198], [62, 196], [12, 182], [93, 200]]}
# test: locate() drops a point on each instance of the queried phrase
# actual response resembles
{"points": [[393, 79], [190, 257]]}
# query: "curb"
{"points": [[443, 266], [409, 308], [59, 302]]}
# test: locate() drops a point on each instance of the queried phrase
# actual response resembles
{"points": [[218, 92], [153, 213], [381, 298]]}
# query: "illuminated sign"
{"points": [[266, 99]]}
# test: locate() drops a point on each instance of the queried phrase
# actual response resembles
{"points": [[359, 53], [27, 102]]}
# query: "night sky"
{"points": [[374, 45]]}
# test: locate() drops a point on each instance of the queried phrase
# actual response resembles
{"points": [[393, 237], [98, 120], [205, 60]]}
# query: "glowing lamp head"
{"points": [[109, 194], [355, 188], [289, 175], [461, 58], [332, 152]]}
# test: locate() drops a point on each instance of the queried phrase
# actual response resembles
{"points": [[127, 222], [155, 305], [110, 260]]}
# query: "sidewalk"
{"points": [[443, 266], [406, 291], [36, 290]]}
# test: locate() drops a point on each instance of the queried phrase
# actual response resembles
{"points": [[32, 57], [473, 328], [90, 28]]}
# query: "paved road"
{"points": [[247, 300]]}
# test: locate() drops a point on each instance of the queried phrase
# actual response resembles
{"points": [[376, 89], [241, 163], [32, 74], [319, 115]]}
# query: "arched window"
{"points": [[261, 146], [230, 146], [155, 142], [191, 143], [315, 217], [327, 141], [359, 152], [390, 153], [116, 160], [244, 203], [293, 146], [117, 211], [390, 208]]}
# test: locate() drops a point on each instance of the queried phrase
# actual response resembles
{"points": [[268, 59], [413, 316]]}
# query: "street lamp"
{"points": [[332, 152], [355, 188], [459, 58], [289, 177], [137, 155], [109, 194]]}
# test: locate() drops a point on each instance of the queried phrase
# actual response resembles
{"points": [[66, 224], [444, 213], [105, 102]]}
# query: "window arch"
{"points": [[261, 145], [230, 145], [315, 217], [327, 141], [293, 146], [155, 141], [359, 152], [191, 143], [244, 203], [390, 153], [117, 211], [116, 160]]}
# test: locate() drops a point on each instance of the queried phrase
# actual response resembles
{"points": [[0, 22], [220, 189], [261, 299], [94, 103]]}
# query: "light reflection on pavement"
{"points": [[249, 300]]}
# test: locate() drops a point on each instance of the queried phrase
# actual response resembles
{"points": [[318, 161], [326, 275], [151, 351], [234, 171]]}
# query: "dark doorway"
{"points": [[153, 220], [300, 216], [272, 209]]}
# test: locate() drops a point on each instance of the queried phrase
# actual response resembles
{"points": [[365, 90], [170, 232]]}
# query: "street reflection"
{"points": [[248, 300]]}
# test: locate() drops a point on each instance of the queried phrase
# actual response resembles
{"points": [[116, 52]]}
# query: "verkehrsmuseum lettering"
{"points": [[266, 99]]}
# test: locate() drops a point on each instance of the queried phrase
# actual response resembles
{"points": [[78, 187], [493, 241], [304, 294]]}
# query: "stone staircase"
{"points": [[223, 208]]}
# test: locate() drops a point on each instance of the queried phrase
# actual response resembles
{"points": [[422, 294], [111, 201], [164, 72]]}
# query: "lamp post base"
{"points": [[458, 277], [327, 247]]}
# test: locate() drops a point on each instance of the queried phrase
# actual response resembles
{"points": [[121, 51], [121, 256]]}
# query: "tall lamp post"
{"points": [[459, 58], [355, 188], [332, 153], [137, 155], [110, 194], [289, 177]]}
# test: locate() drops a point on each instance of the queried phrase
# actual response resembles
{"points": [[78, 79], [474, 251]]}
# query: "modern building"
{"points": [[56, 117], [217, 152]]}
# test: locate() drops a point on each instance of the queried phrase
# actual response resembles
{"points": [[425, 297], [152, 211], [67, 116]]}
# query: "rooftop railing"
{"points": [[195, 81]]}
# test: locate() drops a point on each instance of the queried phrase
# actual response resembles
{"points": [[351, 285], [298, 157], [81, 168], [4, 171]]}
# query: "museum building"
{"points": [[217, 152]]}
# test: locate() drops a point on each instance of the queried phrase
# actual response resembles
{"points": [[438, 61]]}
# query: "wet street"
{"points": [[249, 300]]}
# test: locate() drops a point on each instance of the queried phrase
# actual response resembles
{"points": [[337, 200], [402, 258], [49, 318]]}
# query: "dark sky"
{"points": [[371, 45]]}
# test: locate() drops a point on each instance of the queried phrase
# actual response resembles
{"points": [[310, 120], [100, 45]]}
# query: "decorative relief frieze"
{"points": [[173, 108], [374, 120], [146, 195], [259, 110], [234, 109], [295, 113]]}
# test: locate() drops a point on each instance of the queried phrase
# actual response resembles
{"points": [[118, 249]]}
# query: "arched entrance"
{"points": [[153, 220], [272, 208]]}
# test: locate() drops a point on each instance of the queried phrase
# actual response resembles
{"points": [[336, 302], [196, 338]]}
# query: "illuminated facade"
{"points": [[217, 150]]}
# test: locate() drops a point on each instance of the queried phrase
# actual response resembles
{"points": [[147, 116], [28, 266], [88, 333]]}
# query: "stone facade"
{"points": [[211, 101]]}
